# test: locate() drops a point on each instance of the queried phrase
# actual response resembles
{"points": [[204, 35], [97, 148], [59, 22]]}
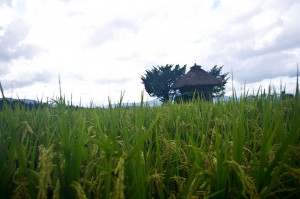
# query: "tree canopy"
{"points": [[217, 72], [159, 79]]}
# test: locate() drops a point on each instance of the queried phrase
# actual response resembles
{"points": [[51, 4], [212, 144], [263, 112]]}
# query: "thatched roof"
{"points": [[196, 77]]}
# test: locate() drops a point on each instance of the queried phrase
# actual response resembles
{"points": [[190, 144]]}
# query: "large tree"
{"points": [[158, 80], [217, 72]]}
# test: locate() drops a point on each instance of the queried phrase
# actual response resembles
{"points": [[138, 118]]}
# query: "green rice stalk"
{"points": [[2, 92], [218, 165]]}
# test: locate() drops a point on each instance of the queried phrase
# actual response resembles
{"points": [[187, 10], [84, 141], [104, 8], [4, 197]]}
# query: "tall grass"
{"points": [[246, 148]]}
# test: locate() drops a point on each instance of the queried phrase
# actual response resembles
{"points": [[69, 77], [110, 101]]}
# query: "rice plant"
{"points": [[246, 148]]}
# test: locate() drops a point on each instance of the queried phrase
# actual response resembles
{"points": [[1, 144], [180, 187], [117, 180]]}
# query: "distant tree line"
{"points": [[23, 104], [14, 103]]}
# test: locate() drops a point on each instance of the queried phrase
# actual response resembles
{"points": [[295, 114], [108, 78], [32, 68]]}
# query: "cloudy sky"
{"points": [[100, 48]]}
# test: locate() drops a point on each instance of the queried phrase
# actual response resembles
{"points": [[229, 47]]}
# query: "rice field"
{"points": [[246, 148]]}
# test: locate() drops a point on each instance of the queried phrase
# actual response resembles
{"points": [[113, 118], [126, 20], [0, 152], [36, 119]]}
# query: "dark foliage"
{"points": [[13, 103], [158, 81], [217, 72]]}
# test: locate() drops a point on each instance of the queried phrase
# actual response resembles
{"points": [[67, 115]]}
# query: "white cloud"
{"points": [[12, 45], [102, 48], [276, 85]]}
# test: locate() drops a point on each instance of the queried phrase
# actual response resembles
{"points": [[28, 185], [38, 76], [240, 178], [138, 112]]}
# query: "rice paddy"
{"points": [[246, 148]]}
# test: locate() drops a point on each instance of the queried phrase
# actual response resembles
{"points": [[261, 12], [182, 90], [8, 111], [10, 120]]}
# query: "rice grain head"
{"points": [[56, 190], [119, 185], [79, 191], [249, 189], [45, 168]]}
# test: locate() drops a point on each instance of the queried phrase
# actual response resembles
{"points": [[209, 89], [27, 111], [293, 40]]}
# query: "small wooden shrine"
{"points": [[196, 82]]}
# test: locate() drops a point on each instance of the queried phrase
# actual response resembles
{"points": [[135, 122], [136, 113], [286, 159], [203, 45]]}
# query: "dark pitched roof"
{"points": [[196, 77]]}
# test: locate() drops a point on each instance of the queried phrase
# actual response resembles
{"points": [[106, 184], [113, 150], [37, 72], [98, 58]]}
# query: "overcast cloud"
{"points": [[101, 48], [11, 46]]}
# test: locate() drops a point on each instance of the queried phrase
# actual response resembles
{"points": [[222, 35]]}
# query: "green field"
{"points": [[246, 148]]}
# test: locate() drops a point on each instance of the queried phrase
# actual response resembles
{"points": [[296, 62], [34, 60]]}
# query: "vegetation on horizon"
{"points": [[159, 80], [246, 148]]}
